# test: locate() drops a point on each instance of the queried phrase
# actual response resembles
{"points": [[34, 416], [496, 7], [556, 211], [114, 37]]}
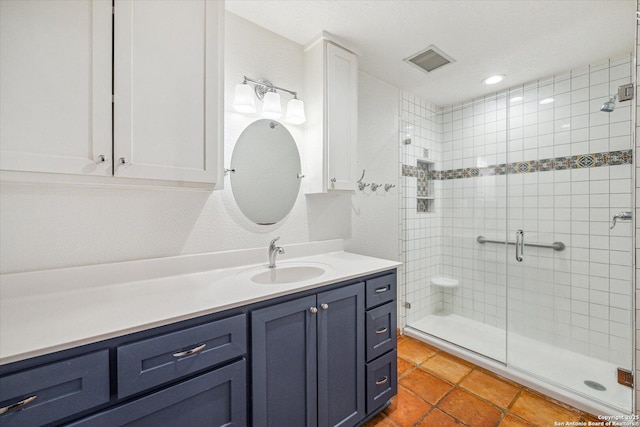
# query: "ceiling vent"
{"points": [[429, 59]]}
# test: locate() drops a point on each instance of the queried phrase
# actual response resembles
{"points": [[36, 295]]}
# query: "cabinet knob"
{"points": [[333, 180], [102, 158], [313, 310], [325, 307], [123, 160]]}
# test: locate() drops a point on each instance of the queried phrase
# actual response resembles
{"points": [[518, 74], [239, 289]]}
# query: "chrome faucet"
{"points": [[273, 251]]}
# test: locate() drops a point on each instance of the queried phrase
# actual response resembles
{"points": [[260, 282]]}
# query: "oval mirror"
{"points": [[266, 180]]}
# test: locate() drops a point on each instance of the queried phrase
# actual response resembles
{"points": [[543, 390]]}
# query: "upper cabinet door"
{"points": [[331, 92], [168, 89], [342, 120], [55, 86]]}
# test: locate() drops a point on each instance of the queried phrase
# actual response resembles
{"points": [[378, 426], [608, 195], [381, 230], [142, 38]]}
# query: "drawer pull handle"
{"points": [[381, 290], [381, 330], [382, 381], [190, 352], [18, 405]]}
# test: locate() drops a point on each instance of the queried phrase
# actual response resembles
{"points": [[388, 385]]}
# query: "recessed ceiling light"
{"points": [[491, 80], [547, 101], [565, 126], [516, 99]]}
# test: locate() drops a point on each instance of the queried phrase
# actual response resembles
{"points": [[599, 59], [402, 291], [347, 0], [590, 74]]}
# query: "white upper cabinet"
{"points": [[167, 86], [331, 92], [55, 86], [58, 76]]}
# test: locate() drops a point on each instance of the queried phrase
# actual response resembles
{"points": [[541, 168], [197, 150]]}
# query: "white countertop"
{"points": [[46, 311]]}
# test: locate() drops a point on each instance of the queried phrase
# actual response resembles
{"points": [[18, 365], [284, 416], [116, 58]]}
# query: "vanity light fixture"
{"points": [[268, 93]]}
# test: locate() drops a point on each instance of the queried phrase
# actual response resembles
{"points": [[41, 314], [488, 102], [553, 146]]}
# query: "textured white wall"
{"points": [[54, 225], [375, 214]]}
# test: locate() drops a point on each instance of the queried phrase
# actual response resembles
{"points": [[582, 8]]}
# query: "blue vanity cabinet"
{"points": [[308, 360], [318, 358]]}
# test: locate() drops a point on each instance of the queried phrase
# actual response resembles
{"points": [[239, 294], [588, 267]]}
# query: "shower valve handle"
{"points": [[620, 216]]}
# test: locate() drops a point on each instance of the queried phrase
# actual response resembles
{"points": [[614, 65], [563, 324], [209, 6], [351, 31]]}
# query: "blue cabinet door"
{"points": [[284, 364], [308, 360], [217, 398], [341, 356]]}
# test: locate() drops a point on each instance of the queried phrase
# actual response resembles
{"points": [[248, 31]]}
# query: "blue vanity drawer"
{"points": [[380, 290], [155, 361], [61, 389], [381, 330], [217, 398], [382, 380]]}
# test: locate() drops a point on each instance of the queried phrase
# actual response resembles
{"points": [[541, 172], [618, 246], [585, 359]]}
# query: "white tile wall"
{"points": [[421, 233]]}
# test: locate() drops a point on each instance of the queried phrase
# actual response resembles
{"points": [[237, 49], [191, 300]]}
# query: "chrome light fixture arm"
{"points": [[264, 86]]}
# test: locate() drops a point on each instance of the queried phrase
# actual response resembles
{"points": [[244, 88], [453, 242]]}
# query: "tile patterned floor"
{"points": [[437, 389]]}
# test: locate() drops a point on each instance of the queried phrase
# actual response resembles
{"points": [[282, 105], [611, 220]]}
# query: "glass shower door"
{"points": [[569, 292], [454, 215]]}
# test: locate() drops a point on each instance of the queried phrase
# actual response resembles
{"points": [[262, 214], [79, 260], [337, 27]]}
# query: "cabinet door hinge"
{"points": [[113, 10], [625, 377]]}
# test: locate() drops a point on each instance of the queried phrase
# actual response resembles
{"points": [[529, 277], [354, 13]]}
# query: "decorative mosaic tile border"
{"points": [[580, 161], [424, 172]]}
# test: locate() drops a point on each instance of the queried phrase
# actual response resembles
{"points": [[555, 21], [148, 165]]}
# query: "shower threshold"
{"points": [[556, 372]]}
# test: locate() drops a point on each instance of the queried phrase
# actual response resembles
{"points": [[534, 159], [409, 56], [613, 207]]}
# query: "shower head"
{"points": [[608, 106]]}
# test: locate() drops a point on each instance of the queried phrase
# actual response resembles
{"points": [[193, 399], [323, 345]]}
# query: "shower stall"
{"points": [[511, 258]]}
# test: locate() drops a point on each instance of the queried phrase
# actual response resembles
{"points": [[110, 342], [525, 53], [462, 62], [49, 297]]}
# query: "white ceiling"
{"points": [[526, 40]]}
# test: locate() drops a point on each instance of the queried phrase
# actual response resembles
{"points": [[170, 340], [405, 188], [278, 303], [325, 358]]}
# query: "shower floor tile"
{"points": [[437, 389]]}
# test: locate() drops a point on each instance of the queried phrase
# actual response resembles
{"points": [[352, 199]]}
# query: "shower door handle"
{"points": [[519, 245]]}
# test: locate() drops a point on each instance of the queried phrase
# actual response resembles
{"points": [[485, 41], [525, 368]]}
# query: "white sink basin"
{"points": [[286, 273]]}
